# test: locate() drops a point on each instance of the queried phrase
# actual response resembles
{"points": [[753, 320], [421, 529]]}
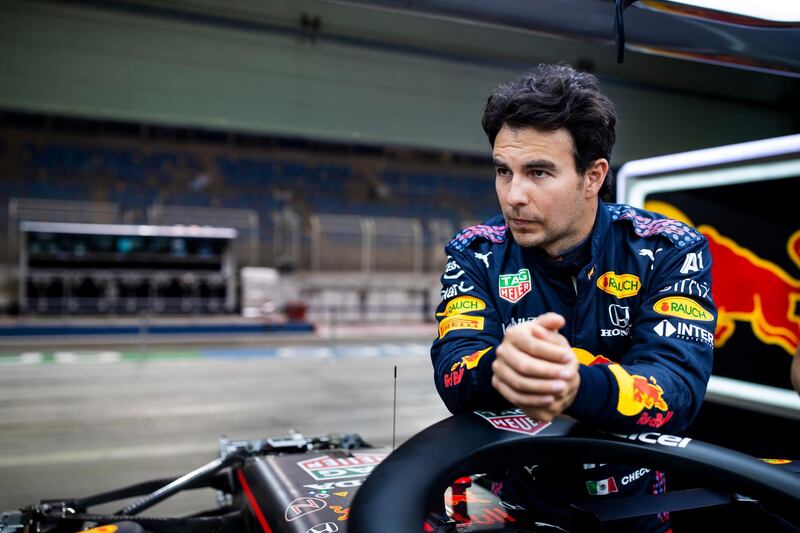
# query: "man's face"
{"points": [[544, 200]]}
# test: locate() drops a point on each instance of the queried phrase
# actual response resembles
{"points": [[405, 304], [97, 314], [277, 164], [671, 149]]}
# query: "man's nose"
{"points": [[516, 192]]}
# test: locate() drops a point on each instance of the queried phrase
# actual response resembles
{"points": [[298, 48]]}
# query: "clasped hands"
{"points": [[536, 369]]}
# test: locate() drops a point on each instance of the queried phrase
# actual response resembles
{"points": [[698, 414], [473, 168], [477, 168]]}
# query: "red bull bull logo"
{"points": [[748, 288], [468, 362], [637, 393]]}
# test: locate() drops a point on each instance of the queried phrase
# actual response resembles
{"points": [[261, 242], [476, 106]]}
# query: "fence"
{"points": [[330, 242], [366, 244], [286, 239]]}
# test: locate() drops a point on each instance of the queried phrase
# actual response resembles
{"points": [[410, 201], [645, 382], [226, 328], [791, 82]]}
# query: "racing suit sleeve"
{"points": [[661, 381], [469, 331]]}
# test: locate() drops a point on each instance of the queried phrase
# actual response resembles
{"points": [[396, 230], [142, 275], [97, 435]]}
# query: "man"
{"points": [[568, 305]]}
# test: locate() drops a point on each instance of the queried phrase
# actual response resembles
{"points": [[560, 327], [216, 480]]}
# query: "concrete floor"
{"points": [[74, 430]]}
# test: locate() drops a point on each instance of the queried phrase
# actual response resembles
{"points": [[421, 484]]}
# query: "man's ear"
{"points": [[595, 177]]}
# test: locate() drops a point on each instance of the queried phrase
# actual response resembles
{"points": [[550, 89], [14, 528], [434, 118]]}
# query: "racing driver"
{"points": [[569, 305]]}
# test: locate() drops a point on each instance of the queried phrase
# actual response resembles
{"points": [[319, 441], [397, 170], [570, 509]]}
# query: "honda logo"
{"points": [[327, 527], [620, 315]]}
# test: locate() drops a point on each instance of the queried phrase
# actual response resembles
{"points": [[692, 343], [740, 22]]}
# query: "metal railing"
{"points": [[330, 242], [286, 238], [366, 244]]}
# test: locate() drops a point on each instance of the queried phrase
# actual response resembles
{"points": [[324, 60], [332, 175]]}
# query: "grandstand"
{"points": [[327, 213]]}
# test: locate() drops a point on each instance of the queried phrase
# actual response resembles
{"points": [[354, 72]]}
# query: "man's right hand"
{"points": [[536, 369]]}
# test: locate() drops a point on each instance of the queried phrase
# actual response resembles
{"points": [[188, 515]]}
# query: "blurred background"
{"points": [[228, 217]]}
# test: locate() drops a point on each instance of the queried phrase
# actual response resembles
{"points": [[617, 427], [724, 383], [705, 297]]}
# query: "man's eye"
{"points": [[539, 173], [502, 171]]}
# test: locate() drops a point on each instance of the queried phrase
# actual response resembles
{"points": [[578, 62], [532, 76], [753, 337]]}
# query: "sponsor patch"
{"points": [[455, 322], [330, 485], [693, 262], [690, 287], [651, 437], [343, 512], [326, 467], [620, 316], [110, 528], [633, 476], [453, 276], [655, 421], [301, 507], [614, 332], [512, 287], [454, 290], [601, 487], [587, 358], [483, 257], [327, 527], [684, 331], [682, 307], [513, 420], [463, 304], [650, 254], [451, 265], [514, 321], [468, 362], [777, 461], [637, 393], [592, 466], [471, 361], [619, 285]]}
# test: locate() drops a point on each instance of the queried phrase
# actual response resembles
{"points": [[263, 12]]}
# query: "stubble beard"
{"points": [[543, 237]]}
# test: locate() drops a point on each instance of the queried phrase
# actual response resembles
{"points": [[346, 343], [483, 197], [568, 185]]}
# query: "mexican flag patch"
{"points": [[604, 486]]}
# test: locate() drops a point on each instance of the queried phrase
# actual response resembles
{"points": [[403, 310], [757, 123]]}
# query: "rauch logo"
{"points": [[681, 307], [619, 285]]}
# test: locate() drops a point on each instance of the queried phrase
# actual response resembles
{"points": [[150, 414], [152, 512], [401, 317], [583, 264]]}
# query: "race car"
{"points": [[437, 481]]}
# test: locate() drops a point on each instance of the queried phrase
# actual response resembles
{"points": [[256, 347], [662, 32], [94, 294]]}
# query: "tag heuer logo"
{"points": [[326, 467], [513, 420], [514, 286]]}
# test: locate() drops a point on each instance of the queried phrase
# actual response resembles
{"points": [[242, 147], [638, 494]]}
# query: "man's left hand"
{"points": [[536, 369]]}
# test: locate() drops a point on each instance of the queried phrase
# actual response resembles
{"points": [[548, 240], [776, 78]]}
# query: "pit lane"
{"points": [[82, 425]]}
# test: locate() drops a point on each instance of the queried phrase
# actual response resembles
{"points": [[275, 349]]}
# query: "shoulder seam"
{"points": [[465, 237], [678, 233]]}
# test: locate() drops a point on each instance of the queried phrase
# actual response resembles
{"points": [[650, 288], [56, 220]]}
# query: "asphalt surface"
{"points": [[71, 427]]}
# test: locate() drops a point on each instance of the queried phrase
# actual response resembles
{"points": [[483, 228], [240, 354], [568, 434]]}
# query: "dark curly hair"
{"points": [[551, 97]]}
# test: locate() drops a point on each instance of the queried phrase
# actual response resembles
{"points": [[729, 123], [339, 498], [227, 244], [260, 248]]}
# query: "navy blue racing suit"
{"points": [[636, 296]]}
